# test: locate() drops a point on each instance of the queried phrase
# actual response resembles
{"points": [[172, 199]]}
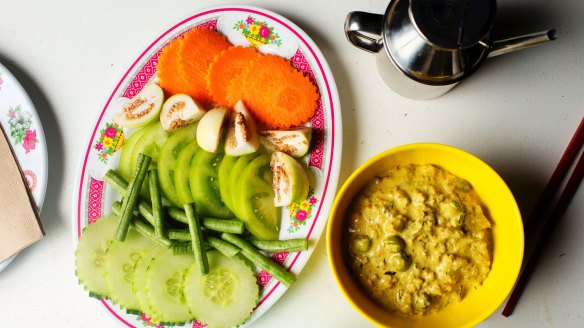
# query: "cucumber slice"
{"points": [[254, 199], [181, 172], [139, 284], [167, 163], [164, 286], [120, 260], [226, 296], [90, 254], [224, 172], [234, 178], [126, 166], [205, 188]]}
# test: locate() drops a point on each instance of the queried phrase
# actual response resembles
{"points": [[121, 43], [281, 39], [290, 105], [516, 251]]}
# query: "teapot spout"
{"points": [[502, 47]]}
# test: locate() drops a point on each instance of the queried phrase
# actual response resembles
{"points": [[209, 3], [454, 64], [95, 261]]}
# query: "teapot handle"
{"points": [[358, 22]]}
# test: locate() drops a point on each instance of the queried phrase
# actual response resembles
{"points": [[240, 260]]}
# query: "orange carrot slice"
{"points": [[277, 94], [169, 63], [224, 68], [199, 49]]}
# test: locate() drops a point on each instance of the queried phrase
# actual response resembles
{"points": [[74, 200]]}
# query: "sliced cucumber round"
{"points": [[204, 182], [120, 260], [254, 199], [180, 110], [167, 163], [142, 109], [164, 285], [139, 284], [226, 296], [90, 254]]}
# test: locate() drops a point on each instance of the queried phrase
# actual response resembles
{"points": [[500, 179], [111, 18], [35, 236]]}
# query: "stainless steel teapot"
{"points": [[431, 45]]}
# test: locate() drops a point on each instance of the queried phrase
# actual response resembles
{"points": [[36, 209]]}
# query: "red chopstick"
{"points": [[555, 215], [557, 177]]}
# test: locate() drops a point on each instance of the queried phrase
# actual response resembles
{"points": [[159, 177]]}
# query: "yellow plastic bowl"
{"points": [[507, 236]]}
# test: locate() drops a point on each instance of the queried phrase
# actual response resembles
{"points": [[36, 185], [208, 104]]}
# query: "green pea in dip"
{"points": [[418, 239]]}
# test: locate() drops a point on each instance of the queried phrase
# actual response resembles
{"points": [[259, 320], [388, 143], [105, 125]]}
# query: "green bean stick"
{"points": [[289, 245], [130, 198], [155, 197], [197, 239], [259, 259], [141, 226]]}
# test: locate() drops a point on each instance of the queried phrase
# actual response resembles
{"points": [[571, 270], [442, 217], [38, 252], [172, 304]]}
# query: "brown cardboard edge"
{"points": [[30, 198]]}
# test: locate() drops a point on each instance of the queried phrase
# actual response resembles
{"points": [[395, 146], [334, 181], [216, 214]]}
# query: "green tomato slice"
{"points": [[205, 187], [225, 169], [126, 166], [254, 199], [149, 144], [181, 172], [234, 177], [168, 160]]}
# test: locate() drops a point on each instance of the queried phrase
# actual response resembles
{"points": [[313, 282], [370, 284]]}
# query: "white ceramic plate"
{"points": [[93, 198], [21, 123]]}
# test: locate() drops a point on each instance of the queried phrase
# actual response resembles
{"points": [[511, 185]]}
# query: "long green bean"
{"points": [[131, 196], [252, 254], [179, 234], [197, 239], [226, 248], [155, 197], [120, 185], [289, 245], [142, 226], [220, 225]]}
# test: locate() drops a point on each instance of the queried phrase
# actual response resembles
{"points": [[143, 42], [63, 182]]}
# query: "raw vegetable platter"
{"points": [[306, 218]]}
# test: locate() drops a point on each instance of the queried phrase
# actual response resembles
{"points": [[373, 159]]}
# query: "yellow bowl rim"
{"points": [[367, 164]]}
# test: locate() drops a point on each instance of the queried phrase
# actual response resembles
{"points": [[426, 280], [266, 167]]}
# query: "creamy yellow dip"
{"points": [[418, 239]]}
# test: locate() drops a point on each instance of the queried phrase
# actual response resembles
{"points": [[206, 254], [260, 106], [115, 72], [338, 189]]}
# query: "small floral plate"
{"points": [[21, 123], [269, 33]]}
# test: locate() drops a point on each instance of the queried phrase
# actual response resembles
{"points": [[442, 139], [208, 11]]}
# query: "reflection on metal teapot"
{"points": [[432, 45]]}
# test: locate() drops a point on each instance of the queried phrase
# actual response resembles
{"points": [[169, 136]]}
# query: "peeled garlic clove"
{"points": [[210, 129]]}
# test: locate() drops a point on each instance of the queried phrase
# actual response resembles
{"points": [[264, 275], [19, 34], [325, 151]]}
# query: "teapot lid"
{"points": [[438, 42], [453, 24]]}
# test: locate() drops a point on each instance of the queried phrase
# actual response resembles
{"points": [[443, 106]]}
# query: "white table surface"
{"points": [[517, 114]]}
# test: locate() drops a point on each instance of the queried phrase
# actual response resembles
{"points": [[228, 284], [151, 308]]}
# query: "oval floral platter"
{"points": [[23, 129], [240, 25]]}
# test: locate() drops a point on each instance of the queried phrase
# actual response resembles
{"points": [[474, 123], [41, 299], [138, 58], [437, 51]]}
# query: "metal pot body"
{"points": [[403, 84], [416, 57]]}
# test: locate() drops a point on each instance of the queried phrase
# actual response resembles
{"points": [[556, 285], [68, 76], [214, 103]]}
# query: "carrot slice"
{"points": [[235, 87], [277, 94], [224, 68], [199, 49], [169, 63]]}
